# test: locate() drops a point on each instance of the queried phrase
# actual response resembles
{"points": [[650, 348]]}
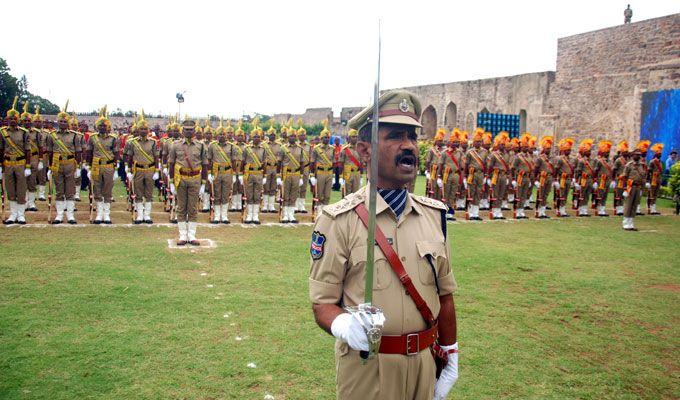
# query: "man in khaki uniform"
{"points": [[272, 148], [74, 126], [254, 157], [322, 167], [432, 158], [141, 154], [352, 169], [15, 151], [584, 174], [306, 156], [544, 175], [475, 162], [237, 193], [64, 151], [221, 160], [102, 152], [415, 226], [655, 172], [450, 171], [29, 122], [44, 127], [635, 174], [290, 165], [498, 169], [604, 172], [485, 151], [619, 164], [206, 139], [521, 170], [188, 166], [564, 175]]}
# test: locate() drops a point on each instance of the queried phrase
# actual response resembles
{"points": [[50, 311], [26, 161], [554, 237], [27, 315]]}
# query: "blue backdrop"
{"points": [[660, 120]]}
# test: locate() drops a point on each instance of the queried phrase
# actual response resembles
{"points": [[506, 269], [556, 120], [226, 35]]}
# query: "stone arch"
{"points": [[522, 121], [429, 121], [485, 111], [470, 123], [451, 116]]}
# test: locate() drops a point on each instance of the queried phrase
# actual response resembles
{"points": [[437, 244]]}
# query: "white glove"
{"points": [[211, 178], [40, 165], [612, 185], [595, 185], [507, 181], [89, 175], [312, 180], [440, 183], [485, 181], [129, 176], [465, 183], [127, 170], [202, 189], [349, 330], [172, 189], [361, 181], [279, 182], [240, 179], [577, 186], [537, 184], [625, 193], [77, 173], [302, 182], [427, 175], [514, 184], [556, 184], [49, 174], [0, 172], [264, 180], [155, 176], [27, 172], [573, 181], [448, 376], [341, 181], [165, 171], [87, 167], [233, 179], [647, 185]]}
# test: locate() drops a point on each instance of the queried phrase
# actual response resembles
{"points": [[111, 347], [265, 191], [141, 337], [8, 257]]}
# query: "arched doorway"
{"points": [[522, 121], [451, 116], [429, 122], [470, 123], [485, 111]]}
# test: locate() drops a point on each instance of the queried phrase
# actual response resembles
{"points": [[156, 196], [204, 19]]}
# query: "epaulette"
{"points": [[429, 202], [21, 128], [94, 134], [346, 204]]}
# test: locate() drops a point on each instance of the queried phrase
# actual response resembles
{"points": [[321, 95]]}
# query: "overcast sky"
{"points": [[282, 56]]}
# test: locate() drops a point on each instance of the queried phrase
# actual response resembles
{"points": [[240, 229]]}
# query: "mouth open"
{"points": [[407, 163]]}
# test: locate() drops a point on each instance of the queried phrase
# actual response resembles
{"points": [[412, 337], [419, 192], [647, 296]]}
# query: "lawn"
{"points": [[557, 309]]}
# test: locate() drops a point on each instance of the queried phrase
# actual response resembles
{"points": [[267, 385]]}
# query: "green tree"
{"points": [[11, 86], [8, 87]]}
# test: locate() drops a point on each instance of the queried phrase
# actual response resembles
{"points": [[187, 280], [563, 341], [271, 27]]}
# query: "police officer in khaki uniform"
{"points": [[74, 126], [141, 153], [237, 193], [64, 151], [584, 174], [254, 157], [322, 168], [635, 174], [15, 151], [498, 170], [655, 172], [405, 366], [450, 172], [221, 160], [272, 148], [521, 170], [475, 162], [544, 175], [604, 172], [188, 167], [564, 175], [352, 169], [619, 164], [206, 139], [306, 156], [102, 152], [290, 166], [28, 122]]}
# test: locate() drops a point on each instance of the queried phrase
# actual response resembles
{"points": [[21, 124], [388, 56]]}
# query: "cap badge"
{"points": [[403, 106]]}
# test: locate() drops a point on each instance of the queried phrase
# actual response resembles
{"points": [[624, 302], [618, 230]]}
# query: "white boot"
{"points": [[100, 212], [70, 206], [511, 198], [107, 213], [601, 210], [652, 209], [301, 207], [191, 231], [520, 213], [619, 209], [291, 214], [624, 223], [77, 195], [256, 212], [30, 200], [59, 206], [12, 213], [265, 203], [139, 209], [21, 217], [182, 226], [147, 212], [41, 192], [637, 210], [225, 212], [206, 201], [504, 204], [284, 214], [495, 212], [542, 210], [249, 214], [216, 214], [475, 211], [272, 203], [239, 202]]}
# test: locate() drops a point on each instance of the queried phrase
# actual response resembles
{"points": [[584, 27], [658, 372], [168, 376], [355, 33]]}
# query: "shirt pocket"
{"points": [[357, 269], [431, 254]]}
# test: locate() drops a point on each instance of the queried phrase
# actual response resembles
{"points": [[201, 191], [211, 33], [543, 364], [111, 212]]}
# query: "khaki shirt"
{"points": [[564, 166], [339, 256], [619, 166], [584, 165], [637, 171], [305, 155], [36, 140], [318, 153], [226, 156], [498, 160], [272, 155], [138, 157], [109, 142], [254, 155], [346, 161], [289, 156], [543, 164], [478, 162], [193, 151], [239, 151], [604, 167], [19, 138], [68, 138], [447, 165], [433, 155]]}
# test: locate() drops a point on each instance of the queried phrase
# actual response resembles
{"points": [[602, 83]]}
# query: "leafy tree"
{"points": [[11, 86]]}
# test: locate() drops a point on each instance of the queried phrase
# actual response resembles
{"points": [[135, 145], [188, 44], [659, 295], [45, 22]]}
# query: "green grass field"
{"points": [[574, 308]]}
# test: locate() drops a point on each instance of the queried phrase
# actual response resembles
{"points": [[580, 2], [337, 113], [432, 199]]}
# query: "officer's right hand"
{"points": [[302, 181], [240, 179], [514, 184], [40, 165], [449, 375], [129, 176], [348, 329], [210, 177], [278, 181], [49, 174], [312, 180], [341, 181], [440, 183], [89, 175], [625, 193], [172, 189], [165, 171]]}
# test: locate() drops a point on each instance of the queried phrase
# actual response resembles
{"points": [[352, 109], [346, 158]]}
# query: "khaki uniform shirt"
{"points": [[290, 157], [254, 155], [272, 151], [474, 162], [36, 140], [305, 155], [637, 171], [20, 138], [321, 162], [138, 158], [239, 153], [346, 161], [109, 142], [603, 167], [497, 160], [68, 138], [447, 166], [193, 151], [338, 256], [582, 165], [564, 166], [433, 156], [543, 164]]}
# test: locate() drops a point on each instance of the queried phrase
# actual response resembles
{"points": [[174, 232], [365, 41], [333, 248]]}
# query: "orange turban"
{"points": [[546, 142], [478, 136], [455, 135], [643, 145], [440, 134], [514, 142], [657, 148], [585, 145], [463, 135], [623, 146], [604, 146], [486, 138], [566, 144]]}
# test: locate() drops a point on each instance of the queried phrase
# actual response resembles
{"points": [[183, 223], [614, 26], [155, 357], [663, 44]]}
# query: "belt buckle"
{"points": [[408, 344]]}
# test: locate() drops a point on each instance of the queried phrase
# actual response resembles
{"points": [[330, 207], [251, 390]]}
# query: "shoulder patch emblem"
{"points": [[317, 248]]}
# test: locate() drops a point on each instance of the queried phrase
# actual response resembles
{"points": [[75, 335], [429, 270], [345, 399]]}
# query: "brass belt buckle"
{"points": [[408, 344]]}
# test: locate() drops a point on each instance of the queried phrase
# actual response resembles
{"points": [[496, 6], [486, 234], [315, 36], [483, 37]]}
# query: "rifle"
{"points": [[315, 199], [494, 179], [539, 191], [515, 202], [280, 199], [90, 198], [652, 199], [244, 200], [49, 200], [212, 200], [131, 197], [3, 197], [468, 199]]}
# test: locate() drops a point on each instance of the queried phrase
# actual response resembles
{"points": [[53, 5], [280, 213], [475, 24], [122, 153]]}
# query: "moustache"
{"points": [[406, 157]]}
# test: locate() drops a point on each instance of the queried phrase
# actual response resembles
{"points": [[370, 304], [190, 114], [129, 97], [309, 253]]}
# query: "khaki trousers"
{"points": [[223, 188], [15, 183], [144, 185], [291, 189], [451, 187], [324, 184], [631, 202], [270, 187], [352, 182], [102, 184], [65, 182], [253, 188], [499, 190], [187, 199], [476, 187]]}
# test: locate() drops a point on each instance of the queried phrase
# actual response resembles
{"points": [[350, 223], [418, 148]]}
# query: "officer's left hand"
{"points": [[465, 184], [612, 185], [172, 189], [240, 179], [202, 189], [537, 183], [302, 182], [155, 176], [647, 185], [77, 173], [27, 172], [440, 183], [40, 165], [278, 181], [264, 180], [341, 181], [89, 175], [49, 174], [312, 180], [361, 181], [449, 374], [595, 185]]}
